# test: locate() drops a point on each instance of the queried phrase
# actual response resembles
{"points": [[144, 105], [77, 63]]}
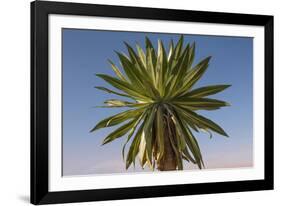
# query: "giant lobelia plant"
{"points": [[162, 110]]}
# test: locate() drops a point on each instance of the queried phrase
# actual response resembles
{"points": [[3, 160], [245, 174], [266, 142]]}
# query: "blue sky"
{"points": [[85, 53]]}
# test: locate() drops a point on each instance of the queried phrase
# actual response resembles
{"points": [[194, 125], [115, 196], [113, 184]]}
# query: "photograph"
{"points": [[138, 102], [135, 102]]}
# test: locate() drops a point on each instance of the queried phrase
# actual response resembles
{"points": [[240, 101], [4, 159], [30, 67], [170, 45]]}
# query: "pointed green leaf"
{"points": [[141, 55], [141, 117], [171, 50], [150, 47], [143, 77], [131, 72], [161, 67], [150, 67], [203, 122], [179, 72], [124, 86], [118, 118], [187, 155], [178, 48], [121, 103], [193, 76], [113, 92], [206, 91], [184, 117], [142, 150], [134, 148], [117, 71], [191, 56], [199, 103], [119, 132], [148, 131]]}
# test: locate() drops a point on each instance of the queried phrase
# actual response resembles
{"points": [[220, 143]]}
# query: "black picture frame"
{"points": [[39, 102]]}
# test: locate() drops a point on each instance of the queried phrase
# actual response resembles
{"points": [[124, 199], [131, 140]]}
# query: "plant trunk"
{"points": [[168, 161]]}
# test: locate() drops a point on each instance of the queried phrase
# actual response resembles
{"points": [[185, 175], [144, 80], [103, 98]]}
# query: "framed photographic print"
{"points": [[133, 102]]}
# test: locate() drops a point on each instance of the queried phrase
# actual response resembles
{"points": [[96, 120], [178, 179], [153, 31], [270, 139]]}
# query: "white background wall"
{"points": [[14, 102]]}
